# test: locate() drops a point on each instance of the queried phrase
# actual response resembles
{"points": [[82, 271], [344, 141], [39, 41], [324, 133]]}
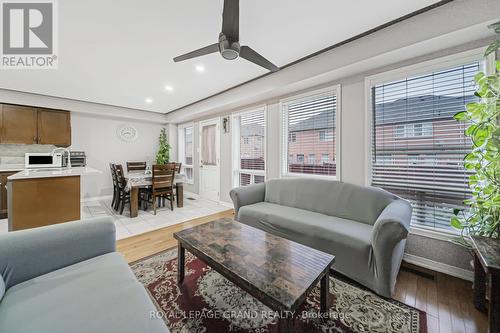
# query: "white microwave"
{"points": [[42, 160]]}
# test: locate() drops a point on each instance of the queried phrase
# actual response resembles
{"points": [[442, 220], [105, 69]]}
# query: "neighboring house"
{"points": [[311, 141], [420, 130]]}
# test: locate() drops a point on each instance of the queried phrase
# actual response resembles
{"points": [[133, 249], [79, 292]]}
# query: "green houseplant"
{"points": [[163, 155], [482, 215]]}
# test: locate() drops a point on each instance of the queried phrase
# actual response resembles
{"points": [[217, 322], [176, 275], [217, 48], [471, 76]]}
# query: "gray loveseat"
{"points": [[68, 278], [364, 227]]}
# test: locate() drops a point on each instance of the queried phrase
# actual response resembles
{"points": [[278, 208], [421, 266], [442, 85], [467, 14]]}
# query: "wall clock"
{"points": [[127, 133]]}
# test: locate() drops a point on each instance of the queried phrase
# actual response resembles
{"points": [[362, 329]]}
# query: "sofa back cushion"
{"points": [[2, 287], [329, 197]]}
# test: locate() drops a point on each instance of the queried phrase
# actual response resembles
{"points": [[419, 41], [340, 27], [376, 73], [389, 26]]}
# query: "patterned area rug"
{"points": [[207, 302]]}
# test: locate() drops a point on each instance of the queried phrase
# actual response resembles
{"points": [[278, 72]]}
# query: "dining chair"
{"points": [[178, 167], [114, 201], [162, 184], [123, 192], [136, 166]]}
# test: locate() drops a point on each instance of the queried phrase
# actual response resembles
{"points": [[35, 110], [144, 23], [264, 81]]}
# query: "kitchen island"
{"points": [[39, 197]]}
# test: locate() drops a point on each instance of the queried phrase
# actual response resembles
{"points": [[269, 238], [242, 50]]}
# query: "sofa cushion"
{"points": [[334, 198], [348, 240], [97, 295], [2, 287]]}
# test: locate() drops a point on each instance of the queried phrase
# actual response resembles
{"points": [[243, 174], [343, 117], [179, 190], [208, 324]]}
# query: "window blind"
{"points": [[252, 147], [417, 146], [309, 134]]}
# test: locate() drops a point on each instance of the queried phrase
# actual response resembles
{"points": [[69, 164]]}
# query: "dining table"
{"points": [[141, 179]]}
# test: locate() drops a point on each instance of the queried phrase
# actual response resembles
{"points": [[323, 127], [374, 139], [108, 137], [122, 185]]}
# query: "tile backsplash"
{"points": [[14, 153]]}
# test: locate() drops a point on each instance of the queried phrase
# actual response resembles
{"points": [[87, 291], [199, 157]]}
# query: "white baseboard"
{"points": [[191, 194], [439, 267], [104, 197], [226, 204]]}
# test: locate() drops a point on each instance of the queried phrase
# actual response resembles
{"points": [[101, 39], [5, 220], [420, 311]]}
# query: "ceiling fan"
{"points": [[228, 45]]}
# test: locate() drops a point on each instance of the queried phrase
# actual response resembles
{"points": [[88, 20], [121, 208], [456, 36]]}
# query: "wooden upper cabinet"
{"points": [[54, 127], [30, 125], [19, 124]]}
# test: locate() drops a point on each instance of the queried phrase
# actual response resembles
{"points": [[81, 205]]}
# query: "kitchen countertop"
{"points": [[54, 172]]}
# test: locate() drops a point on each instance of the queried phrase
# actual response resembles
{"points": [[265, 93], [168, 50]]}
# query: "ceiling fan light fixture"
{"points": [[231, 53]]}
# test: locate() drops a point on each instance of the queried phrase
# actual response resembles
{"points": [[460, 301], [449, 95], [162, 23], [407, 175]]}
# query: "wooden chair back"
{"points": [[178, 167], [120, 176], [163, 177], [136, 166], [113, 173]]}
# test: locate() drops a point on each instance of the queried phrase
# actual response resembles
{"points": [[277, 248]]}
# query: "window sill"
{"points": [[442, 234], [306, 175]]}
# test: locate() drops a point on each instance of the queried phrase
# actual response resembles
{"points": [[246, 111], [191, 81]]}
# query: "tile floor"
{"points": [[146, 221]]}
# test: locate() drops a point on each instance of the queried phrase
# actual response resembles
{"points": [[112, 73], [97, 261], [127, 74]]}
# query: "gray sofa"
{"points": [[364, 227], [68, 278]]}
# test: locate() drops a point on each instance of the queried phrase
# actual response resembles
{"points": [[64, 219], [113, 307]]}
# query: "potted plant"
{"points": [[482, 215], [163, 155]]}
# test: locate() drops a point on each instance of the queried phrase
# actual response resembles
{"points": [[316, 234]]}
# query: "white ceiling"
{"points": [[120, 52]]}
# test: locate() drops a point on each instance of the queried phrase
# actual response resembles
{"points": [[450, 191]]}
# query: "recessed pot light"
{"points": [[200, 68], [149, 100], [169, 88]]}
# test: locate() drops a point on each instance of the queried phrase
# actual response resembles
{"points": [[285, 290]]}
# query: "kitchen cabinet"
{"points": [[19, 124], [54, 127], [3, 192], [31, 125]]}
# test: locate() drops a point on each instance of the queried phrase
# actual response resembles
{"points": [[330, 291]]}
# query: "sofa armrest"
{"points": [[26, 254], [391, 227], [247, 195]]}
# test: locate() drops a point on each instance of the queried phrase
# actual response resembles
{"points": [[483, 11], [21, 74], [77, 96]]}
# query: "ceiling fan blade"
{"points": [[249, 54], [197, 53], [231, 19]]}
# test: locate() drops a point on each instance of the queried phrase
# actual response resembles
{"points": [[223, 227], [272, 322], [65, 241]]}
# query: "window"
{"points": [[325, 135], [413, 122], [186, 151], [309, 123], [415, 130], [249, 137]]}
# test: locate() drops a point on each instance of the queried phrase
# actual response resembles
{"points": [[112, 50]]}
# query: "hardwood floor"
{"points": [[446, 300], [149, 243]]}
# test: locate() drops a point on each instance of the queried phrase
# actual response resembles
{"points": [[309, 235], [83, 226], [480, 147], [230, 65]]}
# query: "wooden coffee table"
{"points": [[276, 271]]}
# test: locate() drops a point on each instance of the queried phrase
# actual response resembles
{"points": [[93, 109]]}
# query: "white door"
{"points": [[209, 159]]}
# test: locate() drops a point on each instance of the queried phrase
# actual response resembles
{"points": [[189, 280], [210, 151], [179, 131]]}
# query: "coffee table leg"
{"points": [[180, 262], [325, 293]]}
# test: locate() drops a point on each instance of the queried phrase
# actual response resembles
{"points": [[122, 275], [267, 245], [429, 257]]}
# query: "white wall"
{"points": [[97, 136]]}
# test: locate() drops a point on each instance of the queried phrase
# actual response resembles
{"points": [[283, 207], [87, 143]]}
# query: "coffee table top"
{"points": [[278, 272]]}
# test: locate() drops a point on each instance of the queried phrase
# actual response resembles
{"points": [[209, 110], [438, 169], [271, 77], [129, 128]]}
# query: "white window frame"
{"points": [[423, 68], [236, 146], [181, 145], [338, 131], [409, 130]]}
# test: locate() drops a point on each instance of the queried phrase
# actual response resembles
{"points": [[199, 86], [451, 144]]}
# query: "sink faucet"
{"points": [[65, 150]]}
